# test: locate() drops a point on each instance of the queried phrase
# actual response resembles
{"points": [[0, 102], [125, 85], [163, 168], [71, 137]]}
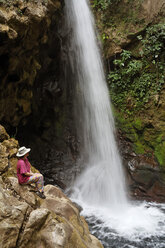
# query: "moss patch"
{"points": [[145, 135], [160, 153], [134, 130], [138, 124], [139, 147]]}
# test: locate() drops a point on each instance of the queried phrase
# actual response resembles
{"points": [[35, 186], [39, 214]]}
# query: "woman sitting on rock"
{"points": [[24, 174]]}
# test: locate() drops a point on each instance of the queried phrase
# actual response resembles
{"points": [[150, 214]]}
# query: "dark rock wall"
{"points": [[35, 96], [24, 30]]}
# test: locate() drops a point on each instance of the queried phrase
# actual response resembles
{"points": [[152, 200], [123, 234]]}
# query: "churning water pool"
{"points": [[141, 225]]}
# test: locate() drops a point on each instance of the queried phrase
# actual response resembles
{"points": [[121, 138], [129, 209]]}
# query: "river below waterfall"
{"points": [[141, 225]]}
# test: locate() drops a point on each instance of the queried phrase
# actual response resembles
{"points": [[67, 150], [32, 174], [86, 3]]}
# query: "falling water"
{"points": [[100, 188], [102, 179]]}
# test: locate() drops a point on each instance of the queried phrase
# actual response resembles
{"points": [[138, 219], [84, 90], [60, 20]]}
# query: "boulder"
{"points": [[4, 163], [12, 215], [48, 226], [24, 191], [3, 134], [157, 191], [42, 230], [29, 222], [146, 179], [8, 149], [11, 146], [60, 205], [57, 202]]}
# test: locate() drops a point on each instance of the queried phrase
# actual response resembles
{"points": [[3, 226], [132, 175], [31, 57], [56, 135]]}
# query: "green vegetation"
{"points": [[160, 154], [133, 129], [103, 4], [134, 80]]}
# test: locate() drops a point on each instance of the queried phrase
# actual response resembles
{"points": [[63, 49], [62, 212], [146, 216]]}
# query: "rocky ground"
{"points": [[28, 221]]}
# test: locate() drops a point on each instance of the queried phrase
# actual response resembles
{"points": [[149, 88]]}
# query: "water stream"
{"points": [[99, 152], [101, 187]]}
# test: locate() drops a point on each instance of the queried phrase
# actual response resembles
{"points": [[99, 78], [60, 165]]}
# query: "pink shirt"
{"points": [[23, 166]]}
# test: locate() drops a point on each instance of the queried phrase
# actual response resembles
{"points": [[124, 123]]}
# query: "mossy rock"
{"points": [[160, 153], [129, 127], [144, 137], [137, 124], [139, 147]]}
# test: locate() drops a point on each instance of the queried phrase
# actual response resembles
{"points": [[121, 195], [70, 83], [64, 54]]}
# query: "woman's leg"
{"points": [[38, 180]]}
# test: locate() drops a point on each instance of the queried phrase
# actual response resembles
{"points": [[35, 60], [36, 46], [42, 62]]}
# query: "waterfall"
{"points": [[102, 180], [100, 188]]}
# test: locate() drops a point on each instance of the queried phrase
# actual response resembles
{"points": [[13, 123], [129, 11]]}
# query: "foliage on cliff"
{"points": [[137, 86], [134, 81], [103, 4]]}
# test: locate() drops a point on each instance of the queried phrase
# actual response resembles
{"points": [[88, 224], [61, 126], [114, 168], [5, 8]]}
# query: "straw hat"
{"points": [[22, 151]]}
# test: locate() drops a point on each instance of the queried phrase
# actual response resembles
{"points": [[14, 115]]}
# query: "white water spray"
{"points": [[102, 181]]}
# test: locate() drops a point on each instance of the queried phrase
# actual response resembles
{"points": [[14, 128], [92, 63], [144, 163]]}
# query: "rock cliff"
{"points": [[28, 221]]}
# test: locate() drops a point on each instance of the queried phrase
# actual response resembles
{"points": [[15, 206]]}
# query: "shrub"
{"points": [[133, 81]]}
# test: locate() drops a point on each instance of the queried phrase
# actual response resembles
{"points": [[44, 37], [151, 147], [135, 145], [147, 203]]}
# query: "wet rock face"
{"points": [[145, 179]]}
